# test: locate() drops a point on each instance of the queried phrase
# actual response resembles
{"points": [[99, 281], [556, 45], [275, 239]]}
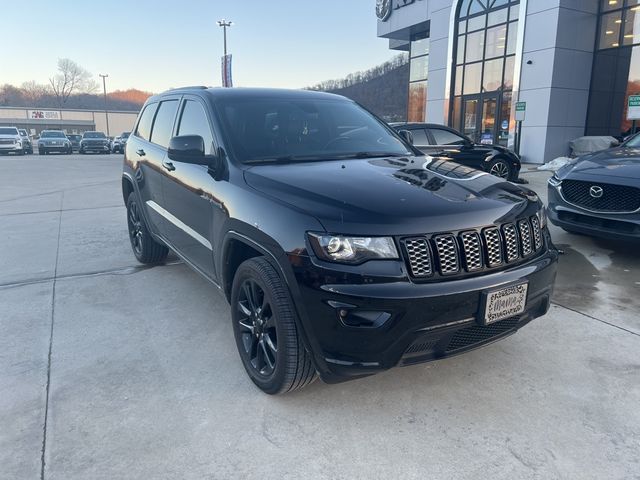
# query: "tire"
{"points": [[40, 151], [269, 344], [501, 168], [146, 249]]}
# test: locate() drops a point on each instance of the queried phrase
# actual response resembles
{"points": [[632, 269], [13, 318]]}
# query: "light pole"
{"points": [[104, 86], [224, 24]]}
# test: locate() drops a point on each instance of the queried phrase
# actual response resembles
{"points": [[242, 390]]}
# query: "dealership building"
{"points": [[568, 65], [71, 121]]}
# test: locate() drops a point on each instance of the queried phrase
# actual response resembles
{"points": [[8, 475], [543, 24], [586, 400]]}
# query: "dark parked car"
{"points": [[441, 141], [599, 194], [53, 141], [27, 145], [340, 249], [96, 142], [75, 138]]}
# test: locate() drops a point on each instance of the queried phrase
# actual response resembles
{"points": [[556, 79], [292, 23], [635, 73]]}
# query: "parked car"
{"points": [[341, 249], [74, 138], [10, 141], [27, 145], [53, 141], [599, 193], [94, 142], [441, 141], [120, 142]]}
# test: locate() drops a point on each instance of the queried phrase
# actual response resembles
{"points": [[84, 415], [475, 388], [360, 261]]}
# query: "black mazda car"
{"points": [[599, 194], [445, 142], [341, 249]]}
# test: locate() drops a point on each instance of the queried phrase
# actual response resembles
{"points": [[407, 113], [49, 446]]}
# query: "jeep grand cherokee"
{"points": [[341, 249]]}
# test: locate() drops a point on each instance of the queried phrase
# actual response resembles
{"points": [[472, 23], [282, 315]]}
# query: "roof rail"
{"points": [[191, 87]]}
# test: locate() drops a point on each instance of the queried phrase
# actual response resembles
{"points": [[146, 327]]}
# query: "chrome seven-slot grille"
{"points": [[472, 250]]}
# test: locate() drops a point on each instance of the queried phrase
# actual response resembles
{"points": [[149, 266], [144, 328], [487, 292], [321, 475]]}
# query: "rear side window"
{"points": [[144, 125], [194, 122], [163, 125], [419, 136], [445, 137]]}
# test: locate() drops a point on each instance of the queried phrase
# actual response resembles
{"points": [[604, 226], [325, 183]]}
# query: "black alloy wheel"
{"points": [[144, 246], [264, 326], [500, 168], [257, 328]]}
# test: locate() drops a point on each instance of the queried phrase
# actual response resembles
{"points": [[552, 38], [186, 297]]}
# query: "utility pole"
{"points": [[104, 87], [226, 59], [224, 24]]}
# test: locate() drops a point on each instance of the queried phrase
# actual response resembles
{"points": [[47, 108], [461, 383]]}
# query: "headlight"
{"points": [[542, 217], [554, 181], [336, 248]]}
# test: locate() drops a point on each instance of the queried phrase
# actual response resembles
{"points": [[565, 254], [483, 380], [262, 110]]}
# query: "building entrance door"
{"points": [[480, 117]]}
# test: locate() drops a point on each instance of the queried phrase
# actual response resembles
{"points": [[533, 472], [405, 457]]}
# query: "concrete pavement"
{"points": [[113, 370]]}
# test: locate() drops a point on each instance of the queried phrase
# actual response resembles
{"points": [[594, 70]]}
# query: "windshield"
{"points": [[74, 137], [94, 135], [52, 135], [284, 129], [8, 131], [23, 133], [633, 142]]}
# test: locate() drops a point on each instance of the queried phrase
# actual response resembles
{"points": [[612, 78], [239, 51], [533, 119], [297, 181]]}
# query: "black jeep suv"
{"points": [[341, 249]]}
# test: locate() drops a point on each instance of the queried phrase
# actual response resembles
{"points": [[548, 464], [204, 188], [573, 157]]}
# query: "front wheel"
{"points": [[145, 247], [264, 326], [501, 168]]}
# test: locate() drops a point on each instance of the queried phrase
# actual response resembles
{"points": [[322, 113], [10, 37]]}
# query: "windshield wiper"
{"points": [[372, 155]]}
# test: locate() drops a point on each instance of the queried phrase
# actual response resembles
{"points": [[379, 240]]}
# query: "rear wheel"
{"points": [[145, 247], [264, 326]]}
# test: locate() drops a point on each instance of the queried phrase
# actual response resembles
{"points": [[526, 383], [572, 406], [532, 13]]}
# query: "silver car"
{"points": [[53, 141], [11, 141]]}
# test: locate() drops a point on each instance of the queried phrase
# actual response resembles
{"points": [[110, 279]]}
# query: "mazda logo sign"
{"points": [[596, 191]]}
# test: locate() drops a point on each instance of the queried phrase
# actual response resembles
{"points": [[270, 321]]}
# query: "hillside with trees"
{"points": [[70, 87], [381, 89]]}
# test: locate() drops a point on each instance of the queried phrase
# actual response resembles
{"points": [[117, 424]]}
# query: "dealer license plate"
{"points": [[505, 303]]}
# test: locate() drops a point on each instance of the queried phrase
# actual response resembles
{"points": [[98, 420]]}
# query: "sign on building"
{"points": [[633, 112], [521, 111], [227, 80], [44, 114]]}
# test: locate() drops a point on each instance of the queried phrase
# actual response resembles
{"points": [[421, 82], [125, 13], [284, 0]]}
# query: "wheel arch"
{"points": [[127, 187]]}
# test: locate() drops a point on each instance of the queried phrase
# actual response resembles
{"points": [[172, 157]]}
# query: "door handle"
{"points": [[169, 166], [140, 152]]}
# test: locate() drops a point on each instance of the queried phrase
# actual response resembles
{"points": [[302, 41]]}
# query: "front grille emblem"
{"points": [[596, 191]]}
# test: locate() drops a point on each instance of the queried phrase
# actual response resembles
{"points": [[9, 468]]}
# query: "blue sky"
{"points": [[155, 45]]}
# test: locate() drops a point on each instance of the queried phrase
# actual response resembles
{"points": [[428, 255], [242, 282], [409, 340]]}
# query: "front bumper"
{"points": [[12, 147], [94, 148], [624, 226], [54, 148], [420, 322]]}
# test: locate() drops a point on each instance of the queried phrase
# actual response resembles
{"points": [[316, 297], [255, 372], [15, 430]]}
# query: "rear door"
{"points": [[190, 192], [146, 160]]}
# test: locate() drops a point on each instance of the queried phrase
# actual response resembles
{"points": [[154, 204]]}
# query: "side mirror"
{"points": [[188, 149], [468, 143], [407, 135]]}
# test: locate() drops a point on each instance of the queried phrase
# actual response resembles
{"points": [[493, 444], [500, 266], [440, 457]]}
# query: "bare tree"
{"points": [[34, 91], [71, 78]]}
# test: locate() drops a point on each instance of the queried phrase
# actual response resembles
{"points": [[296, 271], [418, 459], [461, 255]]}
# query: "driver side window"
{"points": [[194, 122]]}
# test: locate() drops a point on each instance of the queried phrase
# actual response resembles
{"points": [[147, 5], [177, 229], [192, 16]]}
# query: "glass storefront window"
{"points": [[513, 38], [496, 41], [461, 43], [419, 68], [472, 78], [505, 119], [631, 33], [417, 101], [492, 79], [497, 17], [420, 47], [610, 4], [514, 12], [459, 76], [610, 30], [476, 23], [475, 46], [509, 68]]}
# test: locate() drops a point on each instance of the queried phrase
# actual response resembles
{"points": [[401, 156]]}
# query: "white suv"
{"points": [[10, 141]]}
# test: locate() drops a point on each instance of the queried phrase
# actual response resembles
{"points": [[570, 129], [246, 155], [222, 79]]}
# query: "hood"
{"points": [[621, 163], [403, 195]]}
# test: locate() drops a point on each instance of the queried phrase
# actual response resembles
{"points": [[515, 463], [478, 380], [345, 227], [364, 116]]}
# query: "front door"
{"points": [[479, 118]]}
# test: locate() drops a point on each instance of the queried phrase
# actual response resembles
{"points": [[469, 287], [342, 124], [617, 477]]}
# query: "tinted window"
{"points": [[272, 128], [419, 136], [144, 125], [194, 122], [94, 135], [163, 125], [8, 131], [51, 134], [445, 137]]}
